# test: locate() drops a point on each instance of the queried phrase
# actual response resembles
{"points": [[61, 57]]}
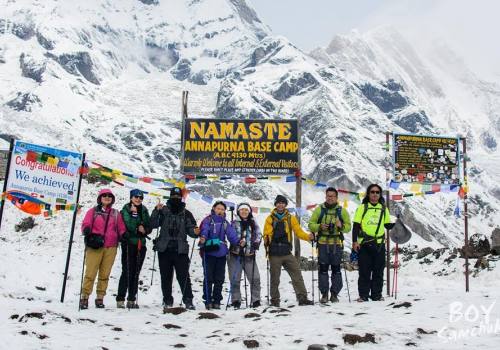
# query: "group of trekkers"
{"points": [[234, 242]]}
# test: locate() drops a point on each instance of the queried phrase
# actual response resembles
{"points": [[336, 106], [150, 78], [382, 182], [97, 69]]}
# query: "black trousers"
{"points": [[132, 261], [371, 270], [168, 261], [214, 269]]}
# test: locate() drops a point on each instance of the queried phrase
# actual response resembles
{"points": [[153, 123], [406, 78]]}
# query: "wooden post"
{"points": [[184, 115], [466, 214], [387, 203], [298, 193], [11, 150]]}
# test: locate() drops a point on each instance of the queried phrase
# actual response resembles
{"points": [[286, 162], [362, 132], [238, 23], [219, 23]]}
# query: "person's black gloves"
{"points": [[87, 231], [389, 226]]}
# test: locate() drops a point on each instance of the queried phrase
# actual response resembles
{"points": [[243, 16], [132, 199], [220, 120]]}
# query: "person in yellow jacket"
{"points": [[330, 221], [368, 237], [278, 240]]}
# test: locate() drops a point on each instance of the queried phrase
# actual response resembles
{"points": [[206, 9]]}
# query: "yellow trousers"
{"points": [[97, 261]]}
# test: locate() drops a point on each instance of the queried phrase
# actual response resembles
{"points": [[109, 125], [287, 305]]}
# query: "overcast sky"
{"points": [[471, 27]]}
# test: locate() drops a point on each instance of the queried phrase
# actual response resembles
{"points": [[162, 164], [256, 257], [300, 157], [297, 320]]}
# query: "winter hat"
{"points": [[280, 199], [136, 193], [105, 191], [176, 191], [244, 205]]}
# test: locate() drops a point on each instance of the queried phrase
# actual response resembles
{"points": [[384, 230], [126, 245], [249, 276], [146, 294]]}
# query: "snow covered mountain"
{"points": [[106, 77]]}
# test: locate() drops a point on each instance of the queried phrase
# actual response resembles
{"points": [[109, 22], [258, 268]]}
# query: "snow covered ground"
{"points": [[31, 278]]}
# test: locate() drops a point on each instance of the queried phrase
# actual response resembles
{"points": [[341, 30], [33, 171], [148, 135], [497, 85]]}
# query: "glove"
{"points": [[87, 231]]}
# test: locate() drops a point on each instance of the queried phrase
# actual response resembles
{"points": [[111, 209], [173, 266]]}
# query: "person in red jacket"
{"points": [[102, 228]]}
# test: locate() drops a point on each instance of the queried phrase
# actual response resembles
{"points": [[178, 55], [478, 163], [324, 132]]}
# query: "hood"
{"points": [[105, 191]]}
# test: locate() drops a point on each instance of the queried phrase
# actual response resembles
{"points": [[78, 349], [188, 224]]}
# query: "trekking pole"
{"points": [[395, 274], [81, 281], [345, 274], [205, 280], [312, 268], [189, 265], [128, 273], [154, 255], [245, 279], [252, 278], [137, 269], [267, 273]]}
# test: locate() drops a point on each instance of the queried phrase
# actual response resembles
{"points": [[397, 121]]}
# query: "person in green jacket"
{"points": [[371, 220], [133, 244], [330, 221]]}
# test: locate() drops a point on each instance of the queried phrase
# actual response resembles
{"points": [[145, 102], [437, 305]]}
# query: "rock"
{"points": [[405, 304], [478, 247], [162, 58], [387, 100], [117, 329], [150, 2], [482, 263], [295, 85], [354, 338], [200, 78], [274, 311], [24, 102], [175, 310], [171, 326], [179, 346], [252, 315], [250, 344], [38, 315], [495, 241], [207, 316], [321, 347], [424, 252], [78, 63], [411, 344], [25, 224], [182, 69], [14, 317], [422, 331], [31, 67], [40, 288]]}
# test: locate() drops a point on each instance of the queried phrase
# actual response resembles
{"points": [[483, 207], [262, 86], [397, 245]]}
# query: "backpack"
{"points": [[280, 246], [338, 212]]}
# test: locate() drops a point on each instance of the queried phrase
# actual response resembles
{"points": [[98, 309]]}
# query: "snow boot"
{"points": [[84, 304], [334, 298], [324, 298], [99, 303], [120, 304]]}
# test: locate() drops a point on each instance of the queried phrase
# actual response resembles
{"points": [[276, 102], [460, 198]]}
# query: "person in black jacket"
{"points": [[176, 224]]}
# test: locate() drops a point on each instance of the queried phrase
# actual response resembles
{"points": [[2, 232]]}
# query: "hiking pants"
{"points": [[291, 265], [132, 261], [168, 261], [235, 267], [97, 261], [371, 270], [214, 273], [330, 255]]}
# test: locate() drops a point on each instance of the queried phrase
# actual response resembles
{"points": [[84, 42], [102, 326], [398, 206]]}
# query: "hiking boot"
{"points": [[334, 298], [99, 303], [209, 306], [305, 302], [275, 303], [84, 303], [324, 298], [216, 306], [256, 304], [132, 305], [120, 304], [362, 300], [378, 298], [189, 305], [236, 304]]}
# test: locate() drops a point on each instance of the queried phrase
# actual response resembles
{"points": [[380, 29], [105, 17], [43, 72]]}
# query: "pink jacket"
{"points": [[116, 227]]}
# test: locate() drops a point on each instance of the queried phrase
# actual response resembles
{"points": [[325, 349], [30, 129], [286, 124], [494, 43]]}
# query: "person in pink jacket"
{"points": [[102, 228]]}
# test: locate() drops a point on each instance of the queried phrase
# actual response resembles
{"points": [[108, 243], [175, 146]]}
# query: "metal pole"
{"points": [[184, 115], [70, 244], [466, 214], [6, 180]]}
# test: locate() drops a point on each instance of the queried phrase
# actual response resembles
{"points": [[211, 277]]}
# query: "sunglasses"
{"points": [[107, 195], [375, 192], [140, 197]]}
